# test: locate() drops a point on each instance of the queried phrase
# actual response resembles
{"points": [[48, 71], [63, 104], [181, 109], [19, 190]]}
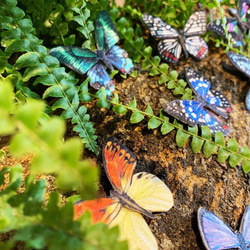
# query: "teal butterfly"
{"points": [[107, 53]]}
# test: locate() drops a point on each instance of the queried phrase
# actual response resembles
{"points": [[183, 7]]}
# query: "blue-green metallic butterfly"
{"points": [[107, 53]]}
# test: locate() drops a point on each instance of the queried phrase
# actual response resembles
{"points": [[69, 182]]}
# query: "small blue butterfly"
{"points": [[242, 63], [86, 61], [202, 110], [216, 234]]}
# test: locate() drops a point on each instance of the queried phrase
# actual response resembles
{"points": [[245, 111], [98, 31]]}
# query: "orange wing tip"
{"points": [[96, 207], [119, 162]]}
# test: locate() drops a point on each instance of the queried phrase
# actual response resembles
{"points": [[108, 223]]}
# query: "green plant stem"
{"points": [[177, 127]]}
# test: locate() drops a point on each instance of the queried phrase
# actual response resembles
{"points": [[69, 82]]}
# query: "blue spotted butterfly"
{"points": [[202, 110], [236, 25], [216, 234], [242, 63], [107, 53], [172, 41]]}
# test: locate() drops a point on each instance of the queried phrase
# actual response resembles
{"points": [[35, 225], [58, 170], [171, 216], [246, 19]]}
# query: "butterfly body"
{"points": [[133, 195], [172, 41], [203, 108], [129, 203], [217, 235], [93, 63]]}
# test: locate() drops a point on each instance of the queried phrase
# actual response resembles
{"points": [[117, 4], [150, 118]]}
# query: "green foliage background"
{"points": [[33, 86]]}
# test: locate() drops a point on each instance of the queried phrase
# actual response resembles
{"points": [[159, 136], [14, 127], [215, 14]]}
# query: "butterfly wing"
{"points": [[219, 101], [134, 229], [169, 50], [233, 30], [100, 78], [105, 31], [187, 111], [119, 164], [158, 28], [119, 58], [199, 83], [196, 24], [215, 233], [244, 227], [244, 12], [242, 63], [196, 47], [102, 210], [78, 59], [213, 122], [149, 192]]}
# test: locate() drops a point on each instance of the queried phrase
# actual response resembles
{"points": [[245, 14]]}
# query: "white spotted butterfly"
{"points": [[172, 40]]}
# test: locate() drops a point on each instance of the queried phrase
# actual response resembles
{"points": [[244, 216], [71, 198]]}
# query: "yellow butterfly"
{"points": [[133, 195]]}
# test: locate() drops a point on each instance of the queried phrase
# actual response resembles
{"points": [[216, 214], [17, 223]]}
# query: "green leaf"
{"points": [[52, 132], [149, 110], [196, 144], [38, 69], [27, 59], [30, 113], [136, 117], [147, 52], [154, 123], [17, 46], [208, 149], [53, 91], [120, 109], [223, 155], [206, 133], [219, 138], [133, 104], [245, 151], [234, 160], [102, 103], [181, 138], [61, 103], [246, 165], [166, 128], [233, 145]]}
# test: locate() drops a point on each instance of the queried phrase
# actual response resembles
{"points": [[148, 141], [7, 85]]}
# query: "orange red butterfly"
{"points": [[133, 195]]}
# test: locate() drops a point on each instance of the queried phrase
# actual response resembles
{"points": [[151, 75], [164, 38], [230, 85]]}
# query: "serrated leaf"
{"points": [[136, 117], [208, 149], [164, 68], [234, 160], [154, 123], [166, 128], [181, 138], [223, 155]]}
